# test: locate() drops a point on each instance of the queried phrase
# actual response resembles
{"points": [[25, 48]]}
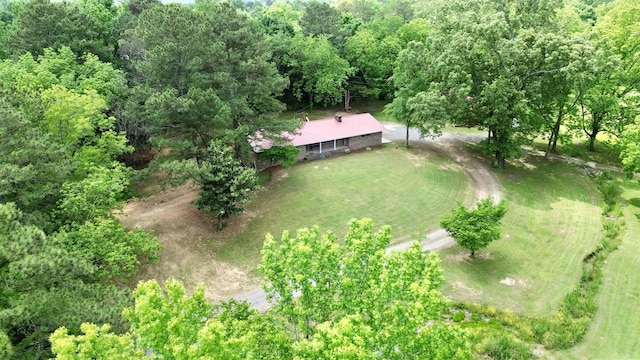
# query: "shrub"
{"points": [[504, 346], [459, 316]]}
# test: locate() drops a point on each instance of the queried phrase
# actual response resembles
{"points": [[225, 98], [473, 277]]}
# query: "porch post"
{"points": [[334, 144], [320, 147]]}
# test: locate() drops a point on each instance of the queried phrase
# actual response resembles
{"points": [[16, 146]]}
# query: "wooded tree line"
{"points": [[86, 86]]}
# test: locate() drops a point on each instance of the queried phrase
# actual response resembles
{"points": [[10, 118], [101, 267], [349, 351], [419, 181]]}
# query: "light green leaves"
{"points": [[476, 228], [330, 293]]}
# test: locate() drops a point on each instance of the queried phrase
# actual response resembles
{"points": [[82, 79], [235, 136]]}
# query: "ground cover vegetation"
{"points": [[91, 86]]}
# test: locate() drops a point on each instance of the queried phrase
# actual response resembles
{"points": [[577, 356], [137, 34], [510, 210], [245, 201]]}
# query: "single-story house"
{"points": [[321, 138]]}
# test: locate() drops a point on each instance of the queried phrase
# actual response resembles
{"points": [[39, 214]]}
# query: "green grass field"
{"points": [[615, 331], [407, 189], [553, 220]]}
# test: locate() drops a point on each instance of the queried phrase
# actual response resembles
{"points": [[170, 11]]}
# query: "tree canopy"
{"points": [[476, 228], [330, 293]]}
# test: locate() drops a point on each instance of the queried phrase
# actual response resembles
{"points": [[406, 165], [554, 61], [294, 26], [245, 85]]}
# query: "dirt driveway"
{"points": [[183, 232], [454, 146]]}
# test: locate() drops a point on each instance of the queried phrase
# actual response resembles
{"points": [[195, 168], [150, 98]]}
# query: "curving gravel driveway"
{"points": [[452, 145]]}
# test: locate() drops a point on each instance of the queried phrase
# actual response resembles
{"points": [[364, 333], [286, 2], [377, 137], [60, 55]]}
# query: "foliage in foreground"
{"points": [[47, 283], [356, 302], [330, 293], [175, 326]]}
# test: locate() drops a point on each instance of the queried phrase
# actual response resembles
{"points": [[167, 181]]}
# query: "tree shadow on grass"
{"points": [[634, 202], [538, 183]]}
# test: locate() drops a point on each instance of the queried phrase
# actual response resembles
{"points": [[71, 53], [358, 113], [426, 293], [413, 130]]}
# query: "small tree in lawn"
{"points": [[225, 184], [475, 229]]}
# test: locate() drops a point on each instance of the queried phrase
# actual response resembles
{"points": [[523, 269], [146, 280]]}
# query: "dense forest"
{"points": [[91, 90]]}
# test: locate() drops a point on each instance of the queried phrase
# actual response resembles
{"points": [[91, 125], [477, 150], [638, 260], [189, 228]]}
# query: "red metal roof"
{"points": [[313, 132]]}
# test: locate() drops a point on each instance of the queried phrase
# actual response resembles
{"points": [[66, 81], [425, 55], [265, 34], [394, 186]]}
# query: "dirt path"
{"points": [[183, 232], [453, 145]]}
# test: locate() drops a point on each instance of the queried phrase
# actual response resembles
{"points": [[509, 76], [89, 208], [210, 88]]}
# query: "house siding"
{"points": [[361, 142], [355, 143]]}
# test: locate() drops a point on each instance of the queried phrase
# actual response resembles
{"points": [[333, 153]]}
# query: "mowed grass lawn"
{"points": [[407, 189], [615, 332], [552, 222]]}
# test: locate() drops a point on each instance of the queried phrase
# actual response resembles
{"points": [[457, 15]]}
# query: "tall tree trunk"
{"points": [[595, 130], [347, 100], [500, 160], [555, 133], [407, 137], [237, 147], [592, 143], [492, 138]]}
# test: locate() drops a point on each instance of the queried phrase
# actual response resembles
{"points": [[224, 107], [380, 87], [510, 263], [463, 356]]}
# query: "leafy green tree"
{"points": [[425, 110], [475, 229], [610, 101], [320, 18], [361, 9], [482, 62], [578, 63], [79, 121], [329, 293], [83, 26], [94, 196], [247, 79], [6, 350], [45, 285], [114, 251], [96, 342], [24, 79], [225, 184], [317, 70], [374, 59], [173, 53], [33, 167], [91, 230], [404, 8], [630, 153], [176, 326], [287, 155], [206, 76]]}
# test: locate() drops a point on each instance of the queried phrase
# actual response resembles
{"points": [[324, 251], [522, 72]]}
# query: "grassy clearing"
{"points": [[407, 189], [615, 328], [552, 222]]}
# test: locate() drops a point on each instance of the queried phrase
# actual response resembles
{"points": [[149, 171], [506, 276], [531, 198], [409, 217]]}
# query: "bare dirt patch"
{"points": [[513, 282], [468, 292], [184, 232]]}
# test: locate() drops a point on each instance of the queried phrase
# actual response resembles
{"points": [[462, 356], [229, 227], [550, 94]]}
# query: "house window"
{"points": [[342, 142], [313, 147]]}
